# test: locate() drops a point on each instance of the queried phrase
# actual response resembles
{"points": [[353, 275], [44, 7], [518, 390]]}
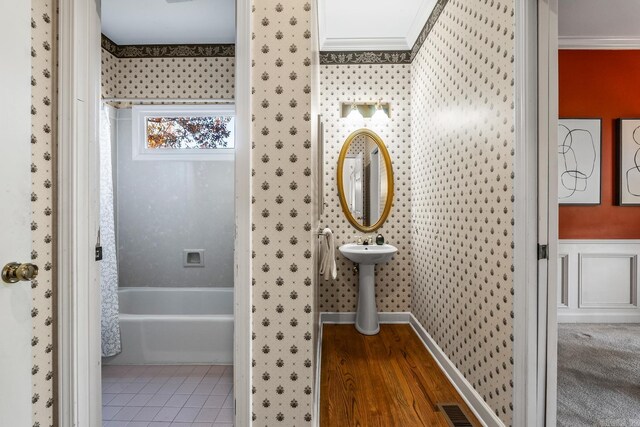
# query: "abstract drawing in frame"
{"points": [[579, 161], [629, 162]]}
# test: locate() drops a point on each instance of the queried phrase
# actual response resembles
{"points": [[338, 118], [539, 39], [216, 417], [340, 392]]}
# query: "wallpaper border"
{"points": [[387, 56], [168, 50], [365, 57], [428, 26]]}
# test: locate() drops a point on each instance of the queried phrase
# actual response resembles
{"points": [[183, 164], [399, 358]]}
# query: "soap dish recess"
{"points": [[193, 258]]}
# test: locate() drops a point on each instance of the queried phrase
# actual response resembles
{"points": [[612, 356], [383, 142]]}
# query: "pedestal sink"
{"points": [[367, 256]]}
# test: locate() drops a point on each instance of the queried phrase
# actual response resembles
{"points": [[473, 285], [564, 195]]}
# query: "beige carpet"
{"points": [[599, 375]]}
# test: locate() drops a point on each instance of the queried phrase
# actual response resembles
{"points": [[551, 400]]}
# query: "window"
{"points": [[183, 132]]}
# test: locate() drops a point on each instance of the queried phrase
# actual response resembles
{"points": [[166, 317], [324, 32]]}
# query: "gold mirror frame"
{"points": [[387, 160]]}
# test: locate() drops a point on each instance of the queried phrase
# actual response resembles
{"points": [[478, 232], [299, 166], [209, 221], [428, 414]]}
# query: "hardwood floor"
{"points": [[389, 379]]}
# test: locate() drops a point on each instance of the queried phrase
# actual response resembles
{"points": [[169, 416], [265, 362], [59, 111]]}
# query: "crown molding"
{"points": [[365, 51], [428, 26], [421, 17], [168, 50], [598, 42], [364, 44]]}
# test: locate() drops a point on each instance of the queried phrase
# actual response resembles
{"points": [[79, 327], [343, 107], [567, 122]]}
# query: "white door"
{"points": [[15, 212]]}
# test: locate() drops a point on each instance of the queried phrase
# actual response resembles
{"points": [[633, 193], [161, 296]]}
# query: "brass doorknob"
{"points": [[15, 272]]}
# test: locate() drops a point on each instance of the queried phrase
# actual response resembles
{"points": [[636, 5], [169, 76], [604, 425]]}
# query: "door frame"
{"points": [[78, 304], [243, 249], [535, 209], [548, 114], [525, 215], [78, 307]]}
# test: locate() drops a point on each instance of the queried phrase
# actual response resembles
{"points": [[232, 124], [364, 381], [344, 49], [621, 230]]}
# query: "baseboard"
{"points": [[316, 386], [598, 317], [473, 399], [348, 317], [478, 406]]}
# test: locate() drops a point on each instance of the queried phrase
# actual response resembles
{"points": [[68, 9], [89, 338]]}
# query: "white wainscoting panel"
{"points": [[598, 281], [607, 281], [563, 280]]}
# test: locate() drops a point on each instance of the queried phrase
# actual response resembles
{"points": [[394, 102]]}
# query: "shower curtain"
{"points": [[109, 264]]}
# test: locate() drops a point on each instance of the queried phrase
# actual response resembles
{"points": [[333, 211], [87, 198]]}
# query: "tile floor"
{"points": [[167, 396]]}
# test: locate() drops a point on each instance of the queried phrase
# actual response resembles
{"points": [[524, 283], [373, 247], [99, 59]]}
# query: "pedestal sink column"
{"points": [[367, 256], [367, 313]]}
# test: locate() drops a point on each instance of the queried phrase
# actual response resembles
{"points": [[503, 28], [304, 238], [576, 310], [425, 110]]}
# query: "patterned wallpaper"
{"points": [[462, 192], [43, 122], [283, 295], [456, 261], [109, 77], [201, 77], [370, 82]]}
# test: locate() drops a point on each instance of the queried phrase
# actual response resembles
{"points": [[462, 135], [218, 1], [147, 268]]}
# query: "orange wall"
{"points": [[606, 84]]}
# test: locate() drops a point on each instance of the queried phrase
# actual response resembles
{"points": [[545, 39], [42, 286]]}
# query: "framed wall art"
{"points": [[579, 161], [629, 162]]}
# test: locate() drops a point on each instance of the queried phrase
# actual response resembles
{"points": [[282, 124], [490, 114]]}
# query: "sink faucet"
{"points": [[364, 240]]}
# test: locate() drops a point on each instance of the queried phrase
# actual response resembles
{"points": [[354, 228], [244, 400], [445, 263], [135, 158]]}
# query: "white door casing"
{"points": [[15, 212], [526, 380], [79, 386], [548, 113], [242, 277]]}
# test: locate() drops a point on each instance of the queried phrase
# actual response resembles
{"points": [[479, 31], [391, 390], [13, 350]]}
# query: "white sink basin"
{"points": [[368, 254]]}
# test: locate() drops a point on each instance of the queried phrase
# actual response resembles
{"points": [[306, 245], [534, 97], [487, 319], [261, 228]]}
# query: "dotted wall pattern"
{"points": [[211, 77], [43, 126], [370, 82], [109, 74], [462, 192], [282, 185]]}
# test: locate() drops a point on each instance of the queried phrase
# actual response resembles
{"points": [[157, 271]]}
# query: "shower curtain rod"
{"points": [[176, 100]]}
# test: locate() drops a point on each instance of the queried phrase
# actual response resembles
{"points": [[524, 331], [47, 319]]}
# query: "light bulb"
{"points": [[379, 116], [355, 116]]}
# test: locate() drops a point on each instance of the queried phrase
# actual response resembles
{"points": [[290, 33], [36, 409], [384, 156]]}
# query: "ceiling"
{"points": [[169, 21], [612, 23], [589, 23], [371, 24]]}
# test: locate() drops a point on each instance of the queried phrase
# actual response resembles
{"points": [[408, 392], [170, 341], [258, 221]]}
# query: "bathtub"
{"points": [[175, 326]]}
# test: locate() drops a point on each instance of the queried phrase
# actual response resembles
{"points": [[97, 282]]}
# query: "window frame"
{"points": [[139, 114]]}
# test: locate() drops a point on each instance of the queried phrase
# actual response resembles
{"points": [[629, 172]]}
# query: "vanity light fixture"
{"points": [[375, 110]]}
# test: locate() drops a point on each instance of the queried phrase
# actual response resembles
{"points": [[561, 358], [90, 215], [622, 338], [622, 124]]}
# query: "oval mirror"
{"points": [[365, 180]]}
